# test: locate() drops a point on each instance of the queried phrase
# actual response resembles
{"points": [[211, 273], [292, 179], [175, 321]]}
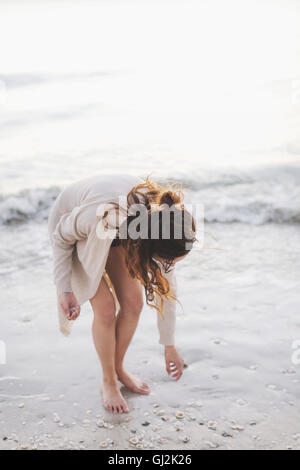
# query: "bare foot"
{"points": [[132, 382], [112, 398]]}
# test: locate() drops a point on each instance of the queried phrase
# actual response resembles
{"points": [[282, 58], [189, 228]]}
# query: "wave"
{"points": [[265, 195], [205, 178], [255, 196], [28, 204], [254, 213]]}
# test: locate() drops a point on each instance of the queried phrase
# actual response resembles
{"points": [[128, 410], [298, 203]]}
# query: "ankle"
{"points": [[110, 380], [119, 369]]}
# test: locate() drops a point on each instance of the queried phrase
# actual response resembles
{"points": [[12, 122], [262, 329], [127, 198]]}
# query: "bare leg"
{"points": [[130, 297], [103, 329]]}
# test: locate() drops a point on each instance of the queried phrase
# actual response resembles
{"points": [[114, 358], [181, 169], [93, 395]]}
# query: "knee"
{"points": [[105, 313], [132, 305]]}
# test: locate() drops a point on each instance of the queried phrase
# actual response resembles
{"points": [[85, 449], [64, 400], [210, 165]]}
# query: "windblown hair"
{"points": [[146, 256]]}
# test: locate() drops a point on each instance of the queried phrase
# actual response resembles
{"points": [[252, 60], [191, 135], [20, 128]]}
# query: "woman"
{"points": [[106, 253]]}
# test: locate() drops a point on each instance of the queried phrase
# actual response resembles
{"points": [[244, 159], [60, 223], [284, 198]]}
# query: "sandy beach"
{"points": [[239, 391]]}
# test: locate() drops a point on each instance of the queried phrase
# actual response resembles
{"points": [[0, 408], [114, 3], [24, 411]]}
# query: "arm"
{"points": [[71, 227], [166, 327], [68, 231]]}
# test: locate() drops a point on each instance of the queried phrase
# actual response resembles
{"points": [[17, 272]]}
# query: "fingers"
{"points": [[178, 373], [71, 312], [69, 305], [168, 367], [175, 369], [74, 312]]}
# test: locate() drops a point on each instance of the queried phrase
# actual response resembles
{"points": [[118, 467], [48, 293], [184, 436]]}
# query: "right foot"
{"points": [[112, 398]]}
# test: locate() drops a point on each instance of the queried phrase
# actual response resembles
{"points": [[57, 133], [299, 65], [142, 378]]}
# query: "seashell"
{"points": [[226, 434], [21, 405], [179, 414], [165, 418], [237, 427], [178, 428], [191, 417], [134, 440], [186, 439], [212, 425], [103, 444]]}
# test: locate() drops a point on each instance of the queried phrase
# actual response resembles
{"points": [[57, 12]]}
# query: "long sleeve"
{"points": [[167, 325], [71, 228]]}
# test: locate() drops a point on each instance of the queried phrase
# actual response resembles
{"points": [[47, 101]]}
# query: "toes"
{"points": [[125, 408], [142, 391], [144, 388]]}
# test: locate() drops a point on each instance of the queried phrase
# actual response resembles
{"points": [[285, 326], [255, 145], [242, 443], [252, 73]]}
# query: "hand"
{"points": [[174, 362], [69, 304]]}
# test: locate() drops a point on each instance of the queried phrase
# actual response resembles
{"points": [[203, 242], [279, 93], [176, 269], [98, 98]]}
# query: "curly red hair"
{"points": [[146, 256]]}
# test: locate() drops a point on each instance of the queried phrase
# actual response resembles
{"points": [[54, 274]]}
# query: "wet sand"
{"points": [[239, 391]]}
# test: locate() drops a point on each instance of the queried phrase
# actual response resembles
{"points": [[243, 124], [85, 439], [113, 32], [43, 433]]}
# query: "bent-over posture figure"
{"points": [[98, 257]]}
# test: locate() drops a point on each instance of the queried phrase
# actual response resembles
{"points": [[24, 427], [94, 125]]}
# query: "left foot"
{"points": [[132, 382]]}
